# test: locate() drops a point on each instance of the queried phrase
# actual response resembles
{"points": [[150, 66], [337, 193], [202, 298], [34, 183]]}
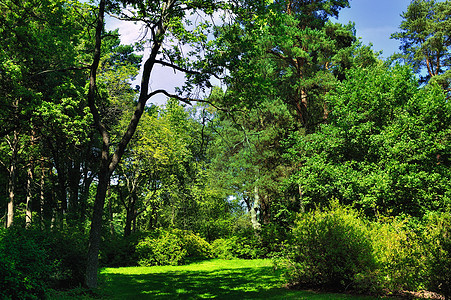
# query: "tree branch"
{"points": [[171, 65], [186, 100], [62, 70]]}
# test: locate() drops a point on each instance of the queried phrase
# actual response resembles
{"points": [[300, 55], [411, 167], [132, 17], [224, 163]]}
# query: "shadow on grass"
{"points": [[232, 283]]}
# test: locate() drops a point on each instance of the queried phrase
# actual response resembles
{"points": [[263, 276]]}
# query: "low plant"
{"points": [[33, 260], [171, 247], [330, 249], [398, 252], [24, 266], [437, 238], [118, 251], [236, 247]]}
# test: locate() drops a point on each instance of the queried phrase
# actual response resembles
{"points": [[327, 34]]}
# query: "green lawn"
{"points": [[218, 279], [213, 279]]}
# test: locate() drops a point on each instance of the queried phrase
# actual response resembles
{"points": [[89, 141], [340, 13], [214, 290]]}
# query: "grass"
{"points": [[212, 279]]}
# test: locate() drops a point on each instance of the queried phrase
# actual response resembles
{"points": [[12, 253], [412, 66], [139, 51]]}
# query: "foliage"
{"points": [[437, 241], [386, 146], [237, 247], [171, 247], [399, 253], [330, 249], [67, 249], [338, 249], [425, 41], [33, 261], [119, 251], [24, 266]]}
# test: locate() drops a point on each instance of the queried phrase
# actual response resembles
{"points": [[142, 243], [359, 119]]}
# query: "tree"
{"points": [[426, 40], [288, 50], [166, 21], [385, 148], [39, 74], [282, 58]]}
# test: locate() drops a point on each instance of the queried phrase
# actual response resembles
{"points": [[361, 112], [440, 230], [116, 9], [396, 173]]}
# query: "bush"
{"points": [[67, 253], [236, 247], [24, 267], [119, 251], [399, 256], [171, 247], [195, 246], [32, 261], [438, 244], [330, 249]]}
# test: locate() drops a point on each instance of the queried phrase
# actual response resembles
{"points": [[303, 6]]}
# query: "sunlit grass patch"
{"points": [[212, 279]]}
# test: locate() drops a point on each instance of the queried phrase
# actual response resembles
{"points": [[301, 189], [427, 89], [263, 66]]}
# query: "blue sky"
{"points": [[375, 21]]}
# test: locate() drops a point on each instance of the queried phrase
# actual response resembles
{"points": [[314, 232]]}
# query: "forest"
{"points": [[289, 139]]}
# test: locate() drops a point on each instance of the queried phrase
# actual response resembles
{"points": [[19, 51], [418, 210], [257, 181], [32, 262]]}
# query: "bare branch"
{"points": [[186, 100], [87, 67], [171, 65]]}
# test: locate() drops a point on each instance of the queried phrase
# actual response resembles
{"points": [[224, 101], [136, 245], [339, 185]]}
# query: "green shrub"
{"points": [[236, 247], [330, 249], [171, 247], [437, 239], [119, 251], [195, 246], [67, 253], [399, 256], [24, 267], [224, 248], [32, 261]]}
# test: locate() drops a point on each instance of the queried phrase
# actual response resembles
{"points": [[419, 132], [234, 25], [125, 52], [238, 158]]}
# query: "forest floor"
{"points": [[212, 279]]}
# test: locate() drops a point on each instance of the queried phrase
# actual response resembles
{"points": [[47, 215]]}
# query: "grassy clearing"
{"points": [[213, 279]]}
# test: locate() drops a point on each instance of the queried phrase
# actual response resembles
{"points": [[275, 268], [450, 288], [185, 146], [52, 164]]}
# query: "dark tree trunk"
{"points": [[96, 227], [109, 163]]}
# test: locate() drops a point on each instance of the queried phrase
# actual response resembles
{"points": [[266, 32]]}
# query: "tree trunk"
{"points": [[301, 201], [13, 144], [41, 194], [73, 186], [110, 210], [109, 164], [96, 227], [28, 215], [30, 168], [255, 224]]}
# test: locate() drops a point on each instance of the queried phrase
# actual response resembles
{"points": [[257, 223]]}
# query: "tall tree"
{"points": [[169, 27], [290, 50], [426, 40], [282, 56], [385, 149], [39, 67]]}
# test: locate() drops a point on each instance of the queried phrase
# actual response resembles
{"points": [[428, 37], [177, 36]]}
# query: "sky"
{"points": [[375, 21]]}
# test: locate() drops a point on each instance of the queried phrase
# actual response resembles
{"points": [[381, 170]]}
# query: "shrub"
{"points": [[171, 247], [236, 247], [24, 269], [330, 249], [195, 246], [118, 251], [32, 261], [438, 241], [67, 253], [399, 256]]}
